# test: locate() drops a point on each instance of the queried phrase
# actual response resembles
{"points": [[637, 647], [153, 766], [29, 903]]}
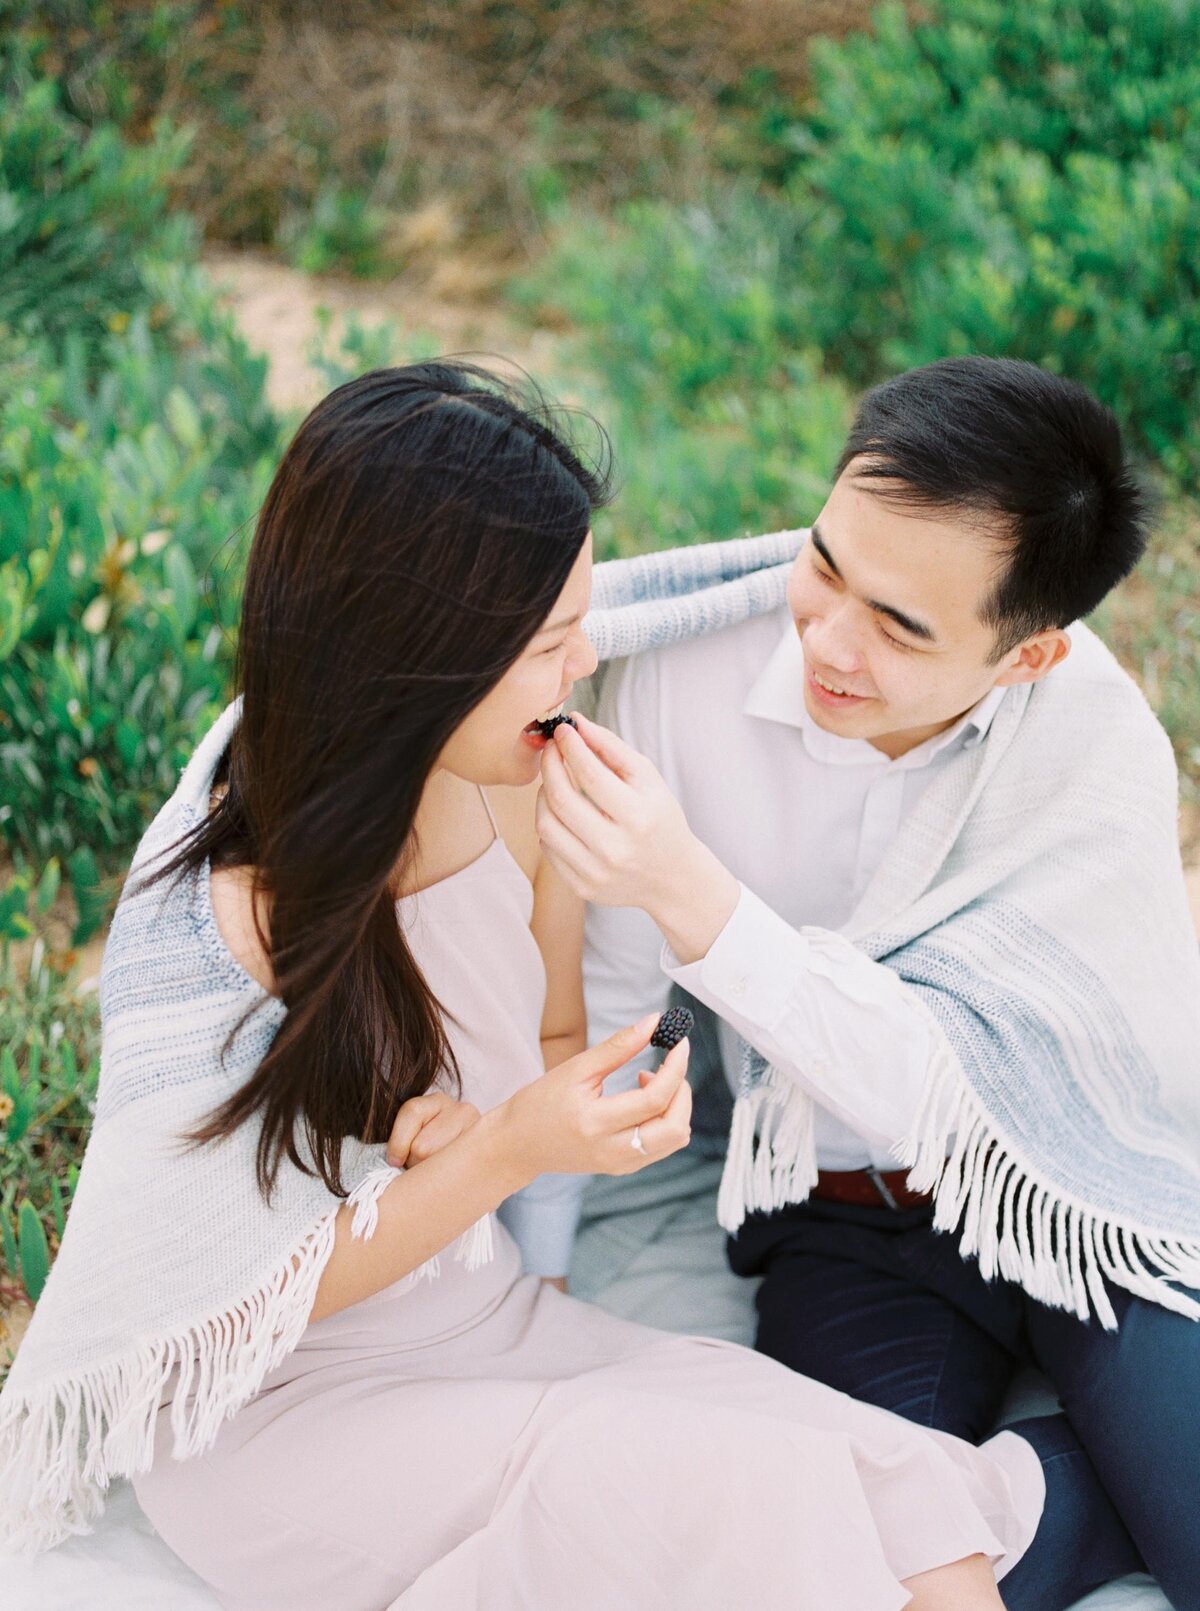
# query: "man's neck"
{"points": [[894, 745]]}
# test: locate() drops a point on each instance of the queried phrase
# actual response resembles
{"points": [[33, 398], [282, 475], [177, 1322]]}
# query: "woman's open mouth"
{"points": [[540, 732]]}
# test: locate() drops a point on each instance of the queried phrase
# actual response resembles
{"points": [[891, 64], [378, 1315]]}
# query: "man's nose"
{"points": [[832, 639]]}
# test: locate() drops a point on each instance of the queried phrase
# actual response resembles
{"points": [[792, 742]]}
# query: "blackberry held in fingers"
{"points": [[547, 729], [671, 1028]]}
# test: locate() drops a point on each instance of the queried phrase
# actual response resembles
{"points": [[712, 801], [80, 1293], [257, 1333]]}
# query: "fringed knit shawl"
{"points": [[1034, 901]]}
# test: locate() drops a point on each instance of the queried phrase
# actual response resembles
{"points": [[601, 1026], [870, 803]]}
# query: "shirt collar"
{"points": [[777, 695]]}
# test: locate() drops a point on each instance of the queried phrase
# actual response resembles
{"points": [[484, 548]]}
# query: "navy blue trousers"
{"points": [[878, 1304]]}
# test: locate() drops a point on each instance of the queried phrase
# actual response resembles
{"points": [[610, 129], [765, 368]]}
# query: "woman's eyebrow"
{"points": [[557, 626]]}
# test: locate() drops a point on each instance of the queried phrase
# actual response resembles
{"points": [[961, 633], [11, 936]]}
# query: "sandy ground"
{"points": [[276, 308]]}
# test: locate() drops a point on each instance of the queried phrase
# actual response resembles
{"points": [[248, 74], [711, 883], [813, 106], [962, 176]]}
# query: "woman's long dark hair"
{"points": [[420, 527]]}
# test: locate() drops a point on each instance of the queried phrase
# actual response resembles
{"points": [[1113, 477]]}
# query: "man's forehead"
{"points": [[934, 564]]}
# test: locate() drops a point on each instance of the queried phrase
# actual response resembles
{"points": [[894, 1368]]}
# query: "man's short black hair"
{"points": [[1035, 459]]}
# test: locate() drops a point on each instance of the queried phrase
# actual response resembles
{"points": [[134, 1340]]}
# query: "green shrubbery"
{"points": [[1014, 180], [720, 415], [1009, 179], [135, 440]]}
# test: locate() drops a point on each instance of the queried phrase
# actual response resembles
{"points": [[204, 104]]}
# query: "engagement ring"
{"points": [[636, 1141]]}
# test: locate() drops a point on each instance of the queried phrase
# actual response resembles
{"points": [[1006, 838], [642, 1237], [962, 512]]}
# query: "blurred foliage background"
{"points": [[732, 214]]}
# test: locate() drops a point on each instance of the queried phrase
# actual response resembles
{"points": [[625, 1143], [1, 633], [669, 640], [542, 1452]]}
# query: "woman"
{"points": [[334, 940]]}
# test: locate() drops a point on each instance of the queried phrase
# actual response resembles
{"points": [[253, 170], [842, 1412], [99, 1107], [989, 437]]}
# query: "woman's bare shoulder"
{"points": [[232, 904], [514, 810]]}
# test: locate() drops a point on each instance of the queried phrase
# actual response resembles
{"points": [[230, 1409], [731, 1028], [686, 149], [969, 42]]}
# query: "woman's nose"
{"points": [[584, 659]]}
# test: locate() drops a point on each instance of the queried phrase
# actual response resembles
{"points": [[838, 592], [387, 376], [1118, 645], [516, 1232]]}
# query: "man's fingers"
{"points": [[618, 756], [570, 858], [591, 775], [564, 801]]}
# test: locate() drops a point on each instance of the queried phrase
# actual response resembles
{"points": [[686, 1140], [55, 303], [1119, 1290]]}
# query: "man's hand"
{"points": [[426, 1124], [616, 835]]}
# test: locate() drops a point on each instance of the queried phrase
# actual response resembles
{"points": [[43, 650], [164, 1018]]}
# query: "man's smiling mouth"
{"points": [[830, 691]]}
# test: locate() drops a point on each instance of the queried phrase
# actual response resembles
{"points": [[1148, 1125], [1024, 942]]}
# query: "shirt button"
{"points": [[737, 985]]}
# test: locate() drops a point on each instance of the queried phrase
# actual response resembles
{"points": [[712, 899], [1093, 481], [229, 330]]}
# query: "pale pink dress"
{"points": [[480, 1442]]}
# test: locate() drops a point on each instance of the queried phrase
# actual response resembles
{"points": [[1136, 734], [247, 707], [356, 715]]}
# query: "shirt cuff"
{"points": [[752, 965]]}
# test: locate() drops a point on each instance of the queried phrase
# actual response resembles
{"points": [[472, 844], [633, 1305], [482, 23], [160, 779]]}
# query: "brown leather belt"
{"points": [[869, 1188]]}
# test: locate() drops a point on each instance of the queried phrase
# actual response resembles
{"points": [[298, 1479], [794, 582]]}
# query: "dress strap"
{"points": [[487, 806]]}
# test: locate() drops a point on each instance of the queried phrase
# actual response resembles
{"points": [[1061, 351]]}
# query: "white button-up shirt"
{"points": [[802, 818]]}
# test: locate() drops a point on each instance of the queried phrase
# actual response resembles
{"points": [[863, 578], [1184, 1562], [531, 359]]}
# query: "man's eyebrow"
{"points": [[818, 543], [910, 623], [557, 626]]}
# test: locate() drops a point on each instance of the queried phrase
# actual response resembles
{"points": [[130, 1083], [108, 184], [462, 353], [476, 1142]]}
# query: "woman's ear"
{"points": [[1035, 658]]}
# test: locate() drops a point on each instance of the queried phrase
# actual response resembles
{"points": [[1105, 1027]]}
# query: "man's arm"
{"points": [[622, 944], [845, 1027]]}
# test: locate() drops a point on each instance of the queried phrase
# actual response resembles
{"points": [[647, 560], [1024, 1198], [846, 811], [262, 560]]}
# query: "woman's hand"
{"points": [[615, 834], [426, 1124], [563, 1123]]}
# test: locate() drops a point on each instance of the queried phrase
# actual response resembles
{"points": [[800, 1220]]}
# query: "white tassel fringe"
{"points": [[61, 1445], [1059, 1250], [783, 1167]]}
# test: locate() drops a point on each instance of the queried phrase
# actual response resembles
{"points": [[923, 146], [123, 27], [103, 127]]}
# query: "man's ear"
{"points": [[1035, 658]]}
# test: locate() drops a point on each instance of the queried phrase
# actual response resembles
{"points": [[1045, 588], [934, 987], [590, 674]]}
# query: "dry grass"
{"points": [[437, 114]]}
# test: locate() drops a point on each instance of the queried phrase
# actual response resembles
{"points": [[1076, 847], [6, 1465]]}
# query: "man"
{"points": [[912, 838]]}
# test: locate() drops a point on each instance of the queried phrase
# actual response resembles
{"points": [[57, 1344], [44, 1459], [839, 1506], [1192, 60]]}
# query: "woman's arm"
{"points": [[561, 1122], [543, 1217], [420, 1213]]}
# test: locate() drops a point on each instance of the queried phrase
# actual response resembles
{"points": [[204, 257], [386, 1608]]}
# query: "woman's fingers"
{"points": [[445, 1127], [673, 1130], [421, 1113], [595, 1065], [652, 1101]]}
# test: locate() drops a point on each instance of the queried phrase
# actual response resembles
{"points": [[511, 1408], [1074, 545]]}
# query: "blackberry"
{"points": [[546, 729], [671, 1028]]}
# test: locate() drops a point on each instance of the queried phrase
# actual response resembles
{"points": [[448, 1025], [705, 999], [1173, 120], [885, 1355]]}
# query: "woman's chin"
{"points": [[518, 768]]}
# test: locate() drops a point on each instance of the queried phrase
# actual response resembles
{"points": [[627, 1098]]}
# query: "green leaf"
{"points": [[48, 887], [9, 1077], [185, 594], [183, 418], [34, 1250], [13, 595], [129, 743], [56, 1203], [8, 1242], [17, 927], [24, 1107], [90, 902]]}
